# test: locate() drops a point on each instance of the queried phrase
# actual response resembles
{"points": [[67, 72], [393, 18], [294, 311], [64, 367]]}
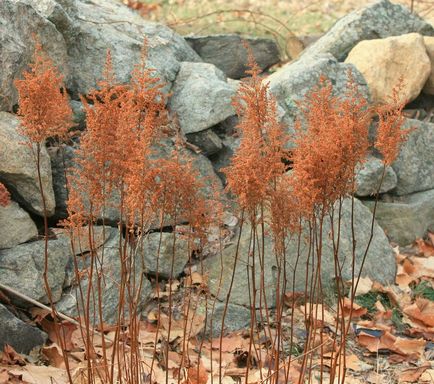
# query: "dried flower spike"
{"points": [[44, 109]]}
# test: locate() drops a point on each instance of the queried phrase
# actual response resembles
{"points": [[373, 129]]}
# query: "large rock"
{"points": [[201, 97], [207, 141], [18, 168], [293, 81], [61, 161], [378, 20], [22, 268], [20, 336], [429, 45], [383, 62], [241, 266], [19, 22], [16, 226], [227, 52], [160, 257], [405, 218], [90, 28], [369, 175], [110, 285], [414, 165]]}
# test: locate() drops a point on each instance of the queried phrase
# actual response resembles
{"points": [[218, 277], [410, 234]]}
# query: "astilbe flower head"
{"points": [[178, 192], [258, 160], [98, 161], [5, 197], [331, 139], [390, 134], [44, 109]]}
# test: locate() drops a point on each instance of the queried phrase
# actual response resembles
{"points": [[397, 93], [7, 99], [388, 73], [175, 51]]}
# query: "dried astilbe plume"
{"points": [[331, 139], [258, 161], [44, 109], [98, 158], [390, 134], [5, 197], [178, 193]]}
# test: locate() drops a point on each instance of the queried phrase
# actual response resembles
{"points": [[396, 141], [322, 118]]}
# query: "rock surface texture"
{"points": [[380, 19], [406, 218], [108, 24], [382, 62], [369, 178], [109, 285], [20, 336], [414, 165], [201, 97], [22, 268], [17, 224], [429, 45], [228, 53], [17, 45]]}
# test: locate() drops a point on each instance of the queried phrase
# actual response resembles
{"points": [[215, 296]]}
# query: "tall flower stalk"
{"points": [[44, 113]]}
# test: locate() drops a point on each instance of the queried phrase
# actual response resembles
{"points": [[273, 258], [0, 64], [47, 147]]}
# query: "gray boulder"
{"points": [[405, 218], [22, 268], [157, 250], [227, 52], [207, 141], [16, 226], [109, 24], [18, 168], [294, 80], [201, 97], [19, 21], [237, 317], [414, 165], [378, 20], [110, 285], [61, 161], [368, 178], [20, 336], [241, 293]]}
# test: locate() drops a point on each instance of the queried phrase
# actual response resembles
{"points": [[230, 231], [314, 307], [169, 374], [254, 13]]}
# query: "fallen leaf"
{"points": [[364, 286], [422, 310], [54, 355], [60, 332], [427, 377], [197, 375], [426, 248], [411, 375], [354, 309], [10, 357], [35, 374]]}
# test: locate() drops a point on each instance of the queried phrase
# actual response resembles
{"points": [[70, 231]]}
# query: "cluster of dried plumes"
{"points": [[258, 161], [5, 197], [44, 109], [390, 134], [117, 167], [331, 140]]}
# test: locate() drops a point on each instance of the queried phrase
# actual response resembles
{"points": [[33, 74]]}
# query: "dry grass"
{"points": [[269, 17]]}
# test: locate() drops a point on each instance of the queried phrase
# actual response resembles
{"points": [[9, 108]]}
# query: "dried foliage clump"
{"points": [[44, 109], [5, 196], [331, 140], [390, 134], [258, 161]]}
